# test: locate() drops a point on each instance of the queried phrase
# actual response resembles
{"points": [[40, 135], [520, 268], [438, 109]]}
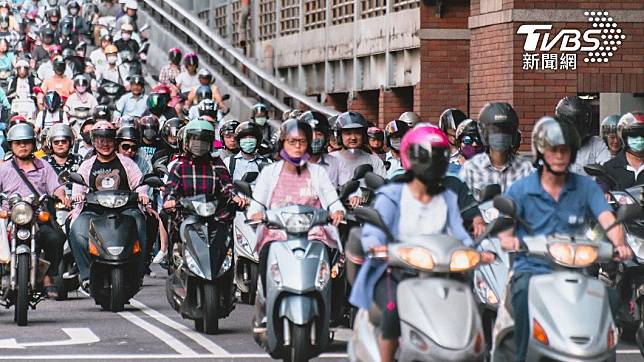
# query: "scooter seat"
{"points": [[375, 315]]}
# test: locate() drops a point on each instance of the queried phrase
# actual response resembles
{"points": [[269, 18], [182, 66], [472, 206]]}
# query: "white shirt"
{"points": [[116, 75], [74, 101], [417, 218], [594, 151], [187, 82], [98, 58], [46, 71], [23, 90]]}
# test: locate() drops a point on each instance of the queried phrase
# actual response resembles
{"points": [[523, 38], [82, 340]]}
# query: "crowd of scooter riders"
{"points": [[234, 209]]}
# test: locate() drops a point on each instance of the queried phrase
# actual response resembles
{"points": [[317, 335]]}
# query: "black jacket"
{"points": [[13, 83], [616, 168]]}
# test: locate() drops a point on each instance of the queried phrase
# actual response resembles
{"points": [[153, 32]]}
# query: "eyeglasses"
{"points": [[60, 142], [129, 147], [296, 142]]}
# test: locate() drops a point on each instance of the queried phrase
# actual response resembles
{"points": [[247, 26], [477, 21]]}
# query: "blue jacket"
{"points": [[388, 205]]}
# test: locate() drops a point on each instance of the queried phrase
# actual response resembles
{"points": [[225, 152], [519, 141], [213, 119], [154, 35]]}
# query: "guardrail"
{"points": [[242, 72]]}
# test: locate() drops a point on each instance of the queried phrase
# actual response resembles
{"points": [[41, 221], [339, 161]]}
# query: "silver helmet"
{"points": [[58, 131], [21, 132]]}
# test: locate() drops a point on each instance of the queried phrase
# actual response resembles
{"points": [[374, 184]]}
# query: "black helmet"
{"points": [[59, 65], [259, 110], [171, 129], [203, 92], [608, 126], [395, 129], [66, 27], [468, 127], [102, 113], [551, 132], [450, 119], [47, 32], [51, 12], [157, 103], [52, 100], [630, 125], [498, 118], [577, 111], [292, 125], [191, 59], [137, 79], [149, 126], [207, 107], [174, 55], [248, 129], [128, 133], [350, 120], [129, 121], [317, 121], [228, 126]]}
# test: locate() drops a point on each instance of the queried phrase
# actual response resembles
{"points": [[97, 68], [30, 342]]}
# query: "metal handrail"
{"points": [[227, 49]]}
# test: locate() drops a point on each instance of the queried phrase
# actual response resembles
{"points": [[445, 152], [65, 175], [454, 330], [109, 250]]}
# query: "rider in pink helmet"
{"points": [[425, 152]]}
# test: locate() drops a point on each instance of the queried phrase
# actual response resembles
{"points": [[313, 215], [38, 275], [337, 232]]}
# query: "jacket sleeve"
{"points": [[134, 175], [454, 220], [327, 191], [262, 190], [371, 235]]}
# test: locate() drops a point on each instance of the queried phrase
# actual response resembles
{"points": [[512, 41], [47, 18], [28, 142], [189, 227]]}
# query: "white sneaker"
{"points": [[159, 257]]}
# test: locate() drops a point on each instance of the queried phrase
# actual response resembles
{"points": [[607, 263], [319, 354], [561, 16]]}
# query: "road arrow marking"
{"points": [[76, 336]]}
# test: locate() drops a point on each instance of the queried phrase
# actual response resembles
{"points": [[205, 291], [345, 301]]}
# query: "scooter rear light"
{"points": [[4, 214], [136, 248], [611, 338], [418, 341], [538, 333], [478, 344]]}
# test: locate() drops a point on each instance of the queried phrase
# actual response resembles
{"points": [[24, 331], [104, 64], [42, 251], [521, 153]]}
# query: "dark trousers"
{"points": [[384, 295], [519, 300], [51, 239]]}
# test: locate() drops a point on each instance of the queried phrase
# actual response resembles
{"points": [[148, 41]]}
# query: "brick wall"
{"points": [[366, 102], [394, 102]]}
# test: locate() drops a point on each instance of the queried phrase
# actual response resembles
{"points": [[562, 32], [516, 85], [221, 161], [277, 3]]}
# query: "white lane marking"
{"points": [[76, 336], [629, 351], [160, 334], [146, 356], [199, 338]]}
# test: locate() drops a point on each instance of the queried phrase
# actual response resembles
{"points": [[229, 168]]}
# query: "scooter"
{"points": [[21, 283], [298, 293], [116, 256], [200, 285], [569, 312], [439, 318], [109, 92], [77, 116], [246, 257]]}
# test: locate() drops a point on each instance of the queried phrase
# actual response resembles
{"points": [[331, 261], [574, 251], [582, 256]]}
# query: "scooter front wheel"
{"points": [[300, 343], [209, 304], [117, 292], [22, 297]]}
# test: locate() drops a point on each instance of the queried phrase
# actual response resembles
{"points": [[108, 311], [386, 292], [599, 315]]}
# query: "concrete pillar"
{"points": [[619, 103]]}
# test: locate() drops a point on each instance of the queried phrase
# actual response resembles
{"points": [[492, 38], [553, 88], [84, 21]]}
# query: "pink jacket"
{"points": [[133, 172]]}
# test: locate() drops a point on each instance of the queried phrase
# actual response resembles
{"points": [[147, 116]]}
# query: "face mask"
{"points": [[248, 145], [86, 138], [126, 36], [317, 146], [636, 144], [112, 59], [469, 151], [261, 120], [81, 89], [199, 147], [295, 161], [150, 134], [500, 141], [395, 143]]}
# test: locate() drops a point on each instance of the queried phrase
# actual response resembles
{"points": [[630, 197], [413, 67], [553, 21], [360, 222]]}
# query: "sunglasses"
{"points": [[60, 142], [128, 147], [468, 140]]}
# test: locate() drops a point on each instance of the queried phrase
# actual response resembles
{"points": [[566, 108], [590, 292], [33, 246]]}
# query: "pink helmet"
{"points": [[419, 146]]}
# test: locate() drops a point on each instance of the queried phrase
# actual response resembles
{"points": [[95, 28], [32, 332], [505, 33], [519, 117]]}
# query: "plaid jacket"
{"points": [[478, 172], [189, 176]]}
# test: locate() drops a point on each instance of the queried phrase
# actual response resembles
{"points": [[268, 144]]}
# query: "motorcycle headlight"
{"points": [[22, 213], [490, 215], [573, 255], [417, 257], [192, 264], [297, 223], [112, 201], [323, 274], [463, 260], [204, 209]]}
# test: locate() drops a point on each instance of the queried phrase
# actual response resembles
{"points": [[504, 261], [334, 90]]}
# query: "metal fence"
{"points": [[267, 19], [314, 14]]}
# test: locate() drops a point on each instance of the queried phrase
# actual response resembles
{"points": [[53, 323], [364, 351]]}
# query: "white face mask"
{"points": [[126, 36], [112, 59]]}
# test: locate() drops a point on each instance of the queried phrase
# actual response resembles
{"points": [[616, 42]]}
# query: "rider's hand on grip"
{"points": [[78, 198], [623, 253]]}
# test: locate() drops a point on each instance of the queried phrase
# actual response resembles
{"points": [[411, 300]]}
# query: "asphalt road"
{"points": [[148, 329]]}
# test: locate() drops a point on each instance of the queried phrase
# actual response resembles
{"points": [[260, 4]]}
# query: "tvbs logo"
{"points": [[599, 42], [569, 40]]}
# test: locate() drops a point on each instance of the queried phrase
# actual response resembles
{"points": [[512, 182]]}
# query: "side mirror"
{"points": [[628, 213], [374, 181], [152, 180], [250, 177], [600, 172], [225, 97], [506, 206], [348, 188], [63, 178], [489, 192], [361, 171], [499, 224], [371, 216], [159, 167], [77, 179], [243, 187]]}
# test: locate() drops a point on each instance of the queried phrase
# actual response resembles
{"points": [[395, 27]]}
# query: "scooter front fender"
{"points": [[299, 309]]}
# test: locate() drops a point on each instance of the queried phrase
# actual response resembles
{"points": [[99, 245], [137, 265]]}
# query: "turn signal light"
{"points": [[611, 338], [43, 216], [478, 344], [93, 250], [4, 214], [136, 248], [538, 333]]}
